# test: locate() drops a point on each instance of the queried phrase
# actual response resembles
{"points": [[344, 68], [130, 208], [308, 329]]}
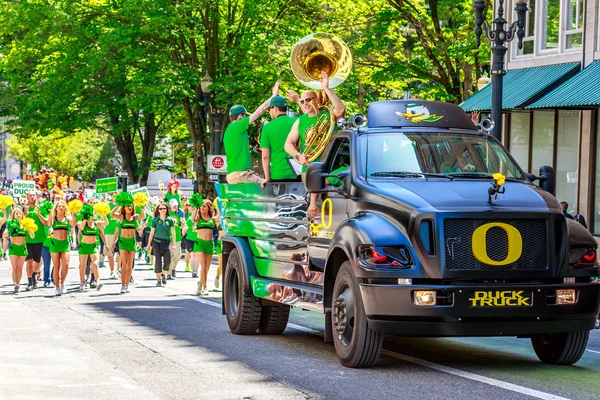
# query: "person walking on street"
{"points": [[205, 222], [177, 215], [17, 251], [163, 229], [35, 243], [90, 232], [190, 237]]}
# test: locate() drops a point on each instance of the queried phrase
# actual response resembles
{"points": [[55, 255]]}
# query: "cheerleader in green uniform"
{"points": [[219, 244], [205, 222], [17, 250], [125, 235], [60, 221], [90, 232]]}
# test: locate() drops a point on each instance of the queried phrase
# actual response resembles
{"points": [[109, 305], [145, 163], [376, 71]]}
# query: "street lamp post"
{"points": [[498, 35], [205, 84]]}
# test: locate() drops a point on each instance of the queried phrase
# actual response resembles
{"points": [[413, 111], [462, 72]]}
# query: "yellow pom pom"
{"points": [[5, 201], [75, 206], [102, 209], [29, 225], [499, 178], [140, 199]]}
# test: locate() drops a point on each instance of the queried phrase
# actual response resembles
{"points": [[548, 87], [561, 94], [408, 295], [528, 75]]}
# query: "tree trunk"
{"points": [[148, 140], [123, 136]]}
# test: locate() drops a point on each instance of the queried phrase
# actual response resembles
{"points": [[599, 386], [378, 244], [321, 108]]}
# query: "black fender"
{"points": [[246, 257], [366, 228], [578, 236]]}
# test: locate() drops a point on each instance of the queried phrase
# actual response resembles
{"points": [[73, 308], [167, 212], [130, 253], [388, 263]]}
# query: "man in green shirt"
{"points": [[34, 245], [272, 142], [237, 143], [109, 232]]}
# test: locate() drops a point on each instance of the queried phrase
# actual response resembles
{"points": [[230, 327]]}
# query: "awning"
{"points": [[583, 89], [521, 87]]}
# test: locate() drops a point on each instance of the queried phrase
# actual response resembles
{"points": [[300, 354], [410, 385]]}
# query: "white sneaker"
{"points": [[63, 289], [217, 283], [57, 292], [17, 288], [123, 290], [199, 289], [99, 286], [82, 287], [205, 292], [112, 275], [127, 288]]}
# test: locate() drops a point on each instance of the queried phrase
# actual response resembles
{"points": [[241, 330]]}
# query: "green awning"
{"points": [[522, 87], [583, 89]]}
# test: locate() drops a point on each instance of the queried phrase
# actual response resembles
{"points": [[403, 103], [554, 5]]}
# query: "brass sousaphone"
{"points": [[311, 55]]}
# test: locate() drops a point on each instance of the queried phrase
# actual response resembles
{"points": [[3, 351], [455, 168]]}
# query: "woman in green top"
{"points": [[124, 236], [173, 192], [60, 221], [190, 237], [17, 251], [205, 222], [163, 229], [90, 232]]}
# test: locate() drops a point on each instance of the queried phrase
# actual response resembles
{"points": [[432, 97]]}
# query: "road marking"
{"points": [[428, 364], [91, 384], [593, 351], [26, 328]]}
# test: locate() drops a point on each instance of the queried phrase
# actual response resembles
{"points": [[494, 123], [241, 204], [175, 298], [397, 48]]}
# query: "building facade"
{"points": [[551, 99]]}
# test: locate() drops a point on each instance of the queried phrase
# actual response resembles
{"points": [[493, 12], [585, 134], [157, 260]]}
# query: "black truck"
{"points": [[427, 227]]}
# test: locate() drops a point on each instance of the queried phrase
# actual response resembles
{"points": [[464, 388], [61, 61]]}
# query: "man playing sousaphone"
{"points": [[309, 103]]}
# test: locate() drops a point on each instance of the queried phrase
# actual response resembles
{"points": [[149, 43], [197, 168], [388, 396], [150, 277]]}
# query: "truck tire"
{"points": [[356, 345], [274, 319], [560, 348], [242, 308]]}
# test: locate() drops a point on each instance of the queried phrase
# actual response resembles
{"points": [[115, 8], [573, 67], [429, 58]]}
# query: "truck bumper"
{"points": [[390, 309]]}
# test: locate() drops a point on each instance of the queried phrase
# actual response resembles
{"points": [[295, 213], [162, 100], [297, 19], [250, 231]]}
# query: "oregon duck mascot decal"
{"points": [[418, 113]]}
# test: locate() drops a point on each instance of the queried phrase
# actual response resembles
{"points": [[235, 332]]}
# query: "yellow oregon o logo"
{"points": [[479, 246]]}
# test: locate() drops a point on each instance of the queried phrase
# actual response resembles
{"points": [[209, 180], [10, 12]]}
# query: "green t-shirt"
{"points": [[237, 146], [148, 222], [177, 221], [336, 181], [170, 196], [191, 233], [48, 238], [112, 223], [273, 137], [39, 235], [162, 229]]}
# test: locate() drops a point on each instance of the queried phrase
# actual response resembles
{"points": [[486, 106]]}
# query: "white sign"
{"points": [[20, 188], [151, 204], [90, 193], [15, 168], [216, 164], [131, 188], [213, 178]]}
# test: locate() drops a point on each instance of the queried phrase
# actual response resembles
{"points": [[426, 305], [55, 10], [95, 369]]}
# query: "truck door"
{"points": [[332, 207]]}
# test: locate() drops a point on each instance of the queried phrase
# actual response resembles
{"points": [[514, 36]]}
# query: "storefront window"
{"points": [[529, 39], [574, 27], [550, 24], [543, 140], [567, 155], [519, 138]]}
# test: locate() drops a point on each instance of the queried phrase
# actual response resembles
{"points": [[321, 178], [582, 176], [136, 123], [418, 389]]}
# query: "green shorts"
{"points": [[203, 246], [219, 247], [88, 248], [127, 244], [17, 250], [59, 246]]}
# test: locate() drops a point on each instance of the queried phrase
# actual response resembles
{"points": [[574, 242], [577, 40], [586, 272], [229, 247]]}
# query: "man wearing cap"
{"points": [[237, 143], [272, 142], [177, 214]]}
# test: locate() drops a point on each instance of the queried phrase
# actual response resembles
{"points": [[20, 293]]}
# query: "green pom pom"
{"points": [[196, 200], [13, 227], [124, 199], [86, 212], [45, 208]]}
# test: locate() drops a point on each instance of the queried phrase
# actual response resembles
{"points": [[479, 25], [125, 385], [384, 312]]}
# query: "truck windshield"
{"points": [[443, 155]]}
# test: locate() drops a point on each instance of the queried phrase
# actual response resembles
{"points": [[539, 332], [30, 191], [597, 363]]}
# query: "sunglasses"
{"points": [[162, 209], [308, 100]]}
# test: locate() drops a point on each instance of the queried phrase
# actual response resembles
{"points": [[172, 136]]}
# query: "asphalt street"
{"points": [[167, 343]]}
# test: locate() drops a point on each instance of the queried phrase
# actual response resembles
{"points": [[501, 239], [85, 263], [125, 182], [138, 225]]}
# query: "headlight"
{"points": [[374, 257], [583, 257]]}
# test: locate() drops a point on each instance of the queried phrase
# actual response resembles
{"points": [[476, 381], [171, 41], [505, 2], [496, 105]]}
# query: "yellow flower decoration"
{"points": [[75, 206], [140, 199], [102, 209], [499, 178], [29, 225], [6, 201]]}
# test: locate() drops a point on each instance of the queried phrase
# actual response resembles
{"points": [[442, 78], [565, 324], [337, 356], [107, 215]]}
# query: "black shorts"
{"points": [[34, 251], [2, 229], [189, 245], [138, 237]]}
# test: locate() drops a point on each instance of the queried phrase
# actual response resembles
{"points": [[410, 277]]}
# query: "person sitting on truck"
{"points": [[237, 142], [272, 141]]}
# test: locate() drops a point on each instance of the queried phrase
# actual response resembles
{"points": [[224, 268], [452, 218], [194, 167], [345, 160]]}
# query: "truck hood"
{"points": [[466, 194]]}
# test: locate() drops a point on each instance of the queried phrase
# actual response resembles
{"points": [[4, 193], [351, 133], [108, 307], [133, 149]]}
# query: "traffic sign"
{"points": [[213, 178], [216, 164]]}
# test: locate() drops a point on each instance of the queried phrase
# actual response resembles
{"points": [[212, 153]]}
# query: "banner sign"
{"points": [[106, 185], [89, 194], [152, 202], [216, 164], [20, 188]]}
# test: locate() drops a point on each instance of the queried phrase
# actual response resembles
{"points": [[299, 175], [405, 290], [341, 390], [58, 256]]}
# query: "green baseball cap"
{"points": [[278, 101], [236, 110]]}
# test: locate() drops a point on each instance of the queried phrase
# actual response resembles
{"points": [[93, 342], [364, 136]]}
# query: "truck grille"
{"points": [[458, 235]]}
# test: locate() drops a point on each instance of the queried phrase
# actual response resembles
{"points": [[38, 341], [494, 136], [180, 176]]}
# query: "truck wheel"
{"points": [[274, 319], [356, 345], [242, 309], [560, 348]]}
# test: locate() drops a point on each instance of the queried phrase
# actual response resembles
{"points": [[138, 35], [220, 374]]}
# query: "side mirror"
{"points": [[547, 179], [315, 177]]}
